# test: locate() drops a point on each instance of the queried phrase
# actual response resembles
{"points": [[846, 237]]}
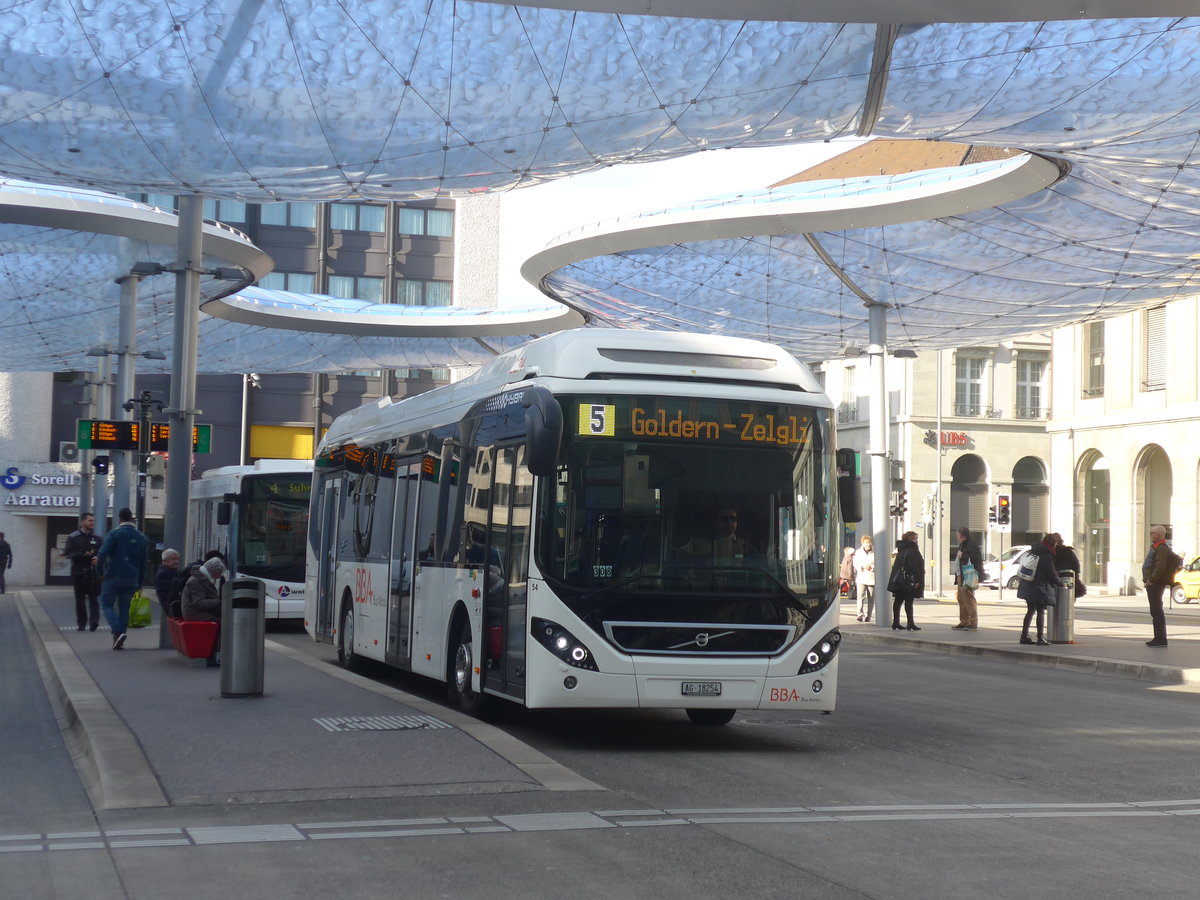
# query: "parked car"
{"points": [[1187, 583], [1003, 571]]}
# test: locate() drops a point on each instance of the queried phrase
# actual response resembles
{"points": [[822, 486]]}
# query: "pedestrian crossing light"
{"points": [[1003, 509]]}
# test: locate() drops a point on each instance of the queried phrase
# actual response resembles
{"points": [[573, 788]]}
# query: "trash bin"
{"points": [[1062, 614], [243, 637]]}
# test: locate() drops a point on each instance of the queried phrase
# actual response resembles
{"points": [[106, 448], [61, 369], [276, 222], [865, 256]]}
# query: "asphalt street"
{"points": [[940, 774]]}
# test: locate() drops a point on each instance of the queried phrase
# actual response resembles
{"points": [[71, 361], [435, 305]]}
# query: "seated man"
{"points": [[725, 547]]}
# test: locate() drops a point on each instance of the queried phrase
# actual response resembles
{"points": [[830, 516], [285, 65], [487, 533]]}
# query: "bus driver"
{"points": [[724, 548]]}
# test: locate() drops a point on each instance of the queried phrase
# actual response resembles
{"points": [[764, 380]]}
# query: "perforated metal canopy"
{"points": [[280, 99]]}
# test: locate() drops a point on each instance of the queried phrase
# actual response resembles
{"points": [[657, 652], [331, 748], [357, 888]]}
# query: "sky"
{"points": [[532, 217]]}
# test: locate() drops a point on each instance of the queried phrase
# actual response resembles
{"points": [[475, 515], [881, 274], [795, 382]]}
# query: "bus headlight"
{"points": [[563, 644], [822, 654]]}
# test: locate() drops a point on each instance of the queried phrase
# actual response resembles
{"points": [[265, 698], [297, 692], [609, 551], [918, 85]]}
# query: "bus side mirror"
{"points": [[224, 512], [849, 486], [543, 430]]}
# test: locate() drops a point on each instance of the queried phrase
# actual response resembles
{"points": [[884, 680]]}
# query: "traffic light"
{"points": [[1003, 509], [901, 504], [100, 465]]}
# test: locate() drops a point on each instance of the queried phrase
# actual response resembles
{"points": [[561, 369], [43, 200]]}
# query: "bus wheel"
{"points": [[461, 676], [710, 716], [346, 655]]}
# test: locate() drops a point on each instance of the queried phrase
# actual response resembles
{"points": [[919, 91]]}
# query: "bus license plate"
{"points": [[702, 689]]}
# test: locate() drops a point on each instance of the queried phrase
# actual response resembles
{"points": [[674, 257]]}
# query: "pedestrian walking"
{"points": [[122, 564], [1040, 592], [907, 581], [864, 577], [1158, 574], [968, 552], [80, 549], [6, 561]]}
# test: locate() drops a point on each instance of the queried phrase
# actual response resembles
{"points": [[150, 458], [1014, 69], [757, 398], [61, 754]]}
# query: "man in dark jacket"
{"points": [[1039, 593], [968, 552], [122, 563], [80, 549], [1158, 574]]}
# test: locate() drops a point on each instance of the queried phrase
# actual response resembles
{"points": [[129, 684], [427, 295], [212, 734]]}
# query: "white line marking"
{"points": [[582, 820], [246, 834]]}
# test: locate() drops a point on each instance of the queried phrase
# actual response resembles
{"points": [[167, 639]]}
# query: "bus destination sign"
{"points": [[120, 434], [689, 420]]}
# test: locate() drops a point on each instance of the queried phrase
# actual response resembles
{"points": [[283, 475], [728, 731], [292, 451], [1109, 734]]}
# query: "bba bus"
{"points": [[600, 518]]}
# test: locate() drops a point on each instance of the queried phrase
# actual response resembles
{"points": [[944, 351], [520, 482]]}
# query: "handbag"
{"points": [[970, 577], [139, 611], [903, 581]]}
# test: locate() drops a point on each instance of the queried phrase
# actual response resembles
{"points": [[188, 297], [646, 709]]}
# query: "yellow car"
{"points": [[1187, 583]]}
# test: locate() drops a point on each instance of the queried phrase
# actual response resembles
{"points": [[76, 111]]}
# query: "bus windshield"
{"points": [[273, 524], [686, 510]]}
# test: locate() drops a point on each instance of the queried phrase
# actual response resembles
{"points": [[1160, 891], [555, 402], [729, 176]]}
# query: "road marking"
{"points": [[208, 835]]}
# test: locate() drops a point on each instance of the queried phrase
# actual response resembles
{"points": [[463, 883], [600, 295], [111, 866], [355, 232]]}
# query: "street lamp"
{"points": [[144, 402]]}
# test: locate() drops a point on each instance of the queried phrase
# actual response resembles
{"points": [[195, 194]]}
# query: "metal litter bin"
{"points": [[243, 637], [1062, 614]]}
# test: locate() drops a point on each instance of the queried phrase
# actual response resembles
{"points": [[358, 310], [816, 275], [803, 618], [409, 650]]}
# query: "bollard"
{"points": [[243, 637], [1062, 615]]}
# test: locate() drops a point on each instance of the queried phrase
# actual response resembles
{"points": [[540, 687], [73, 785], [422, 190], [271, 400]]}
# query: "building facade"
{"points": [[430, 253], [1125, 438], [991, 406]]}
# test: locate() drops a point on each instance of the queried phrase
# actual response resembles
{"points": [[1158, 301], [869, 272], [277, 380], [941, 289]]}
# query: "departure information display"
{"points": [[692, 420], [109, 434]]}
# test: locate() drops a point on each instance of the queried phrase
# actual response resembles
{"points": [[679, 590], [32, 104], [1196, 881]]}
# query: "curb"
{"points": [[107, 755], [1090, 665]]}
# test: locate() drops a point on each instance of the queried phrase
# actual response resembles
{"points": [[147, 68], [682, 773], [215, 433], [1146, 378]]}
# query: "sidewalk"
{"points": [[147, 729], [1110, 634]]}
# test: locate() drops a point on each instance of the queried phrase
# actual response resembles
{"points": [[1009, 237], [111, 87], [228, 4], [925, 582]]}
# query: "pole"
{"points": [[939, 533], [181, 414], [123, 461], [103, 411], [86, 473], [144, 427], [880, 476]]}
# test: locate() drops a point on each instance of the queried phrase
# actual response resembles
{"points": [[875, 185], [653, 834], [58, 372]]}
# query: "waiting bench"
{"points": [[195, 640]]}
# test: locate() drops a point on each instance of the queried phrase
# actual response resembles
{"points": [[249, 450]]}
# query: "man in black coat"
{"points": [[81, 547]]}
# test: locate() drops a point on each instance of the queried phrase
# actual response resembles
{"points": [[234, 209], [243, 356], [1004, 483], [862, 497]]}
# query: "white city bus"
{"points": [[541, 531], [257, 517]]}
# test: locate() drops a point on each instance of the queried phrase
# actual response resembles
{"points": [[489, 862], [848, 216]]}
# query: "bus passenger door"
{"points": [[330, 515], [505, 610], [403, 566]]}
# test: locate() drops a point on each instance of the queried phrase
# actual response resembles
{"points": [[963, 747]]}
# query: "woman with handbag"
{"points": [[907, 581]]}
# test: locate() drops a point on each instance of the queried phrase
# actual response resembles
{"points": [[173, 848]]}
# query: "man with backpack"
{"points": [[1158, 574]]}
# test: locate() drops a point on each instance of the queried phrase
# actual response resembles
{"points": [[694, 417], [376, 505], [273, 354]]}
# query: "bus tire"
{"points": [[460, 675], [710, 716], [347, 658]]}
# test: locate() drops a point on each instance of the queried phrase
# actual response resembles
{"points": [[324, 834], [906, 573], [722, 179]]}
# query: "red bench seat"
{"points": [[195, 640]]}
